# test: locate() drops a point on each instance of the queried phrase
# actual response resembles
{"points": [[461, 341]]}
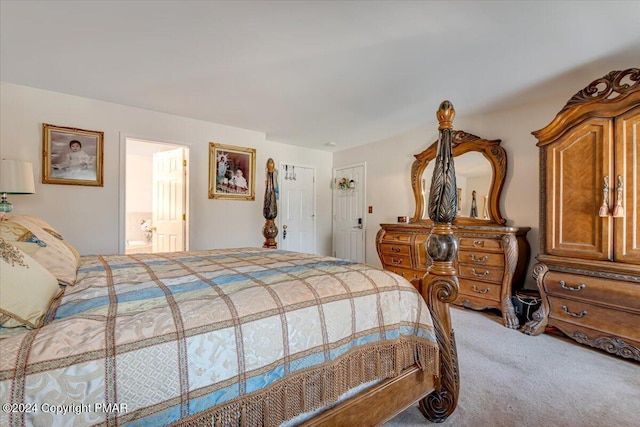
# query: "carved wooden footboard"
{"points": [[441, 402], [437, 395]]}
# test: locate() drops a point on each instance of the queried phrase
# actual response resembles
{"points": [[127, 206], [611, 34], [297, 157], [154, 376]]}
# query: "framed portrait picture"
{"points": [[71, 156], [231, 172]]}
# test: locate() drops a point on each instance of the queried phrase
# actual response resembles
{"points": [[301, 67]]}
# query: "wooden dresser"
{"points": [[491, 262], [492, 258], [589, 262]]}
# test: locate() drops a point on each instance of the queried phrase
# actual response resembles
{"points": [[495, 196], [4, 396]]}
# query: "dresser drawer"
{"points": [[481, 272], [480, 258], [391, 249], [397, 260], [406, 273], [589, 288], [480, 289], [480, 243], [397, 237], [615, 322]]}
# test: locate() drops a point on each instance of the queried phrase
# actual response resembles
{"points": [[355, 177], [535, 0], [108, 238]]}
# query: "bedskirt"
{"points": [[220, 337]]}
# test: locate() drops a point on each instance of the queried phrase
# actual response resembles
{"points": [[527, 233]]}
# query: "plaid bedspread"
{"points": [[247, 336]]}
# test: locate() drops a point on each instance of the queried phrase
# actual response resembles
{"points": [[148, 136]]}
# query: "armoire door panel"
{"points": [[627, 241], [577, 165]]}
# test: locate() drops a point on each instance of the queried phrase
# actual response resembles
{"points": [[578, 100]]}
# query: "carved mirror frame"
{"points": [[464, 142]]}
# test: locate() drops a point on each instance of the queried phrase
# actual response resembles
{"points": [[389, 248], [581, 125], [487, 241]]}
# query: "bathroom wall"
{"points": [[139, 190]]}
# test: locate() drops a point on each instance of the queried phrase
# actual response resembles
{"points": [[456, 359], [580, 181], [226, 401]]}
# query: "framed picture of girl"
{"points": [[231, 172], [71, 156]]}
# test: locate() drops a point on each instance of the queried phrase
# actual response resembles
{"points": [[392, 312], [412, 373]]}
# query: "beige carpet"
{"points": [[511, 379]]}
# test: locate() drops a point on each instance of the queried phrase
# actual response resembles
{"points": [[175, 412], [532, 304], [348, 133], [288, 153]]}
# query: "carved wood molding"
{"points": [[510, 245], [467, 303], [379, 237], [464, 142], [613, 88], [539, 318], [615, 346], [542, 198], [594, 273], [606, 97], [441, 403]]}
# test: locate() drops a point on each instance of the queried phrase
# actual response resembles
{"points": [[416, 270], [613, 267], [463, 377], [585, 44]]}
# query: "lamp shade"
{"points": [[16, 177]]}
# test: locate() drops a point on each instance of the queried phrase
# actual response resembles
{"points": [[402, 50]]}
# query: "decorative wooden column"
{"points": [[270, 209], [441, 282]]}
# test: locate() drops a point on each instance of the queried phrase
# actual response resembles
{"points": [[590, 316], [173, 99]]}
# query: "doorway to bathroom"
{"points": [[156, 197]]}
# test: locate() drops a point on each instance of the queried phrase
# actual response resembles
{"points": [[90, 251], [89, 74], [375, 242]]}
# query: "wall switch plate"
{"points": [[370, 209]]}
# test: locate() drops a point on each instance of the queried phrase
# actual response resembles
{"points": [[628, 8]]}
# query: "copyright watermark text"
{"points": [[72, 408]]}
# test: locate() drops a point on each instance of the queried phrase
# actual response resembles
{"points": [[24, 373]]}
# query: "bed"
{"points": [[234, 337], [222, 337]]}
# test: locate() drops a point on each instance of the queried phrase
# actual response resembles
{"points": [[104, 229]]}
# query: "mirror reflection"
{"points": [[473, 180]]}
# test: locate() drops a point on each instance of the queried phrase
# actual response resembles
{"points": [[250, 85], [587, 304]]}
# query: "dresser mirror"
{"points": [[481, 167]]}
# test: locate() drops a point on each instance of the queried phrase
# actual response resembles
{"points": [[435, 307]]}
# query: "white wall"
{"points": [[88, 216], [389, 165]]}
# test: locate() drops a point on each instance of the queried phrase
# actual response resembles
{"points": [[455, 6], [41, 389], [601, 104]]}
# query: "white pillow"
{"points": [[27, 289]]}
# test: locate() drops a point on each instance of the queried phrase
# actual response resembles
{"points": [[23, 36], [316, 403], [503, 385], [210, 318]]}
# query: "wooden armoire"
{"points": [[588, 269]]}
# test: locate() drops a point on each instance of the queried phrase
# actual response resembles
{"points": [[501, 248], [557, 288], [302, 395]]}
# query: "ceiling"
{"points": [[308, 73]]}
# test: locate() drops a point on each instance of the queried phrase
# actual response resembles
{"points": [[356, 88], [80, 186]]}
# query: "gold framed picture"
{"points": [[231, 172], [71, 156]]}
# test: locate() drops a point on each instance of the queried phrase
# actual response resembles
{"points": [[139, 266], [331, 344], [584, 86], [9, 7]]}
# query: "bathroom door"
{"points": [[169, 169]]}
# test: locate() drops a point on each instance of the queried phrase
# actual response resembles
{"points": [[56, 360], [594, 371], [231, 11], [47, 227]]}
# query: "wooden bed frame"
{"points": [[437, 395]]}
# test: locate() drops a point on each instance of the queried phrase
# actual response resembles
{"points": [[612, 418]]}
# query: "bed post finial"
{"points": [[440, 284], [445, 115], [270, 208]]}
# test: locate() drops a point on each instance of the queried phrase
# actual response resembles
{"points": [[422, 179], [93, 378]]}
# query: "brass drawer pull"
{"points": [[483, 274], [479, 260], [604, 209], [395, 249], [396, 261], [478, 243], [578, 315], [478, 290], [618, 211], [564, 285]]}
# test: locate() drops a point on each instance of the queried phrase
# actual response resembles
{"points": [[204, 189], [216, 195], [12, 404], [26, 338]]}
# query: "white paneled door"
{"points": [[348, 212], [169, 201], [297, 209]]}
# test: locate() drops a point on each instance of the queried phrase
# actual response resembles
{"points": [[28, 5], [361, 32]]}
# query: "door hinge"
{"points": [[184, 217], [184, 163]]}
